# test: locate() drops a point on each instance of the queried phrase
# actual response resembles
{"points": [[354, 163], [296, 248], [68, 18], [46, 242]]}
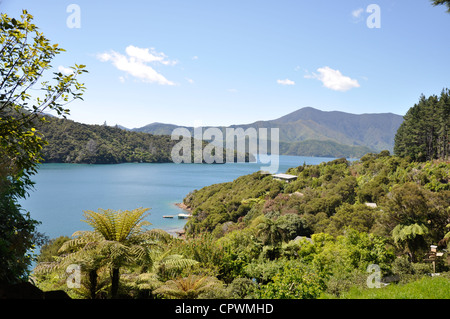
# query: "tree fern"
{"points": [[407, 232], [118, 239], [172, 265], [140, 282], [117, 225], [188, 288], [163, 267], [446, 239], [411, 237]]}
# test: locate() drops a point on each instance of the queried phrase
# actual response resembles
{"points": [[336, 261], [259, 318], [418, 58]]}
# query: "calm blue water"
{"points": [[63, 191]]}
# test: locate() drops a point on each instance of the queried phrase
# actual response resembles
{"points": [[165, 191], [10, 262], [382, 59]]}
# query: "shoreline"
{"points": [[175, 232], [179, 232], [183, 207]]}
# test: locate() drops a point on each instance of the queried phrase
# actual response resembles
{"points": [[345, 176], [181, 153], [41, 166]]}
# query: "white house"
{"points": [[285, 177]]}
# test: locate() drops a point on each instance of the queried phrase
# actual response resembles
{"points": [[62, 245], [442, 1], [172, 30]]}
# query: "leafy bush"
{"points": [[293, 281]]}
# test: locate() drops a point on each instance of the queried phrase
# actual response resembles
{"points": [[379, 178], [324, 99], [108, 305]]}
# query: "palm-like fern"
{"points": [[170, 266], [118, 239], [164, 266], [81, 250], [117, 225], [268, 231], [407, 232], [189, 287], [446, 239], [410, 236]]}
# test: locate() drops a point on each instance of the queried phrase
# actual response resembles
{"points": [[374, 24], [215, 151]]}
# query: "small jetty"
{"points": [[168, 216]]}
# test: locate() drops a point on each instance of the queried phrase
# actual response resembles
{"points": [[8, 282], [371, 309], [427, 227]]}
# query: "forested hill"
{"points": [[72, 142], [317, 148], [330, 197]]}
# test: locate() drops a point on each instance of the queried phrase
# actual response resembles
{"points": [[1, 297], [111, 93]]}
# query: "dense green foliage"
{"points": [[25, 56], [317, 148], [425, 133], [409, 210], [72, 142], [330, 196]]}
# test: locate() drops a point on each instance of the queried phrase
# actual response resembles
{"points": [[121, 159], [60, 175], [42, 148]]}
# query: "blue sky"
{"points": [[192, 62]]}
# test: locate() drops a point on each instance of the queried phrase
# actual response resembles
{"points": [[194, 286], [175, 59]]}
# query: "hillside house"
{"points": [[285, 177]]}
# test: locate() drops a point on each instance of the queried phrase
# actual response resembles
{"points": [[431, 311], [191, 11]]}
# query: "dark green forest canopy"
{"points": [[425, 133], [71, 142], [315, 148]]}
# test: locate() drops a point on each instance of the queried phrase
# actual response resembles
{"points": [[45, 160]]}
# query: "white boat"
{"points": [[167, 216], [183, 216]]}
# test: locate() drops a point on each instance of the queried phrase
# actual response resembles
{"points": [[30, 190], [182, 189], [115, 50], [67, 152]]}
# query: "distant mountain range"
{"points": [[312, 132]]}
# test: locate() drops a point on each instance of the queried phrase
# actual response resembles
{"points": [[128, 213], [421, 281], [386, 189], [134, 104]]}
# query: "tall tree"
{"points": [[25, 56], [425, 132]]}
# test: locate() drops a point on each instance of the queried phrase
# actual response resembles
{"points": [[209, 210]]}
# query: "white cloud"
{"points": [[148, 55], [64, 70], [232, 90], [136, 63], [195, 57], [357, 13], [286, 82], [334, 79], [190, 80]]}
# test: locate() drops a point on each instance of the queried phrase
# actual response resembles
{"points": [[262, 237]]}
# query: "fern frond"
{"points": [[80, 240], [45, 267], [178, 261], [188, 287], [117, 225]]}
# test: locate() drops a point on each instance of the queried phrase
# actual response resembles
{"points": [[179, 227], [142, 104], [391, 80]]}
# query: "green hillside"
{"points": [[72, 142], [317, 133], [323, 195], [322, 149]]}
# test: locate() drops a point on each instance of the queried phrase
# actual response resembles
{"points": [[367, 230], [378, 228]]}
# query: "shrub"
{"points": [[293, 281]]}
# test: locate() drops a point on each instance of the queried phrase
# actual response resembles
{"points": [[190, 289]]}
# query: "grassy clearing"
{"points": [[424, 288]]}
